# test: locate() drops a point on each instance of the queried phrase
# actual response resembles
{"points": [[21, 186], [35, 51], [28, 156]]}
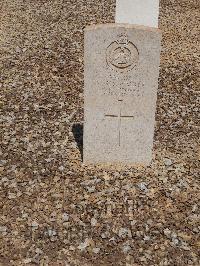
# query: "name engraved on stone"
{"points": [[119, 116], [134, 89], [122, 55]]}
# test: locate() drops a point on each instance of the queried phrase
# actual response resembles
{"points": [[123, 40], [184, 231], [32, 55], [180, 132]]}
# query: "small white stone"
{"points": [[146, 238], [18, 50], [91, 189], [126, 248], [3, 229], [4, 179], [38, 251], [65, 217], [61, 168], [167, 232], [11, 196], [175, 241], [174, 235], [51, 232], [185, 246], [167, 162], [34, 224], [103, 235], [149, 221], [28, 260], [72, 248], [195, 208], [24, 215], [143, 186], [96, 250], [123, 232], [83, 245], [133, 222], [93, 222]]}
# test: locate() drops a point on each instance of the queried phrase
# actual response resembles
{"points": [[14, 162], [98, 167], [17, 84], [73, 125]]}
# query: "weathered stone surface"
{"points": [[121, 79], [141, 12]]}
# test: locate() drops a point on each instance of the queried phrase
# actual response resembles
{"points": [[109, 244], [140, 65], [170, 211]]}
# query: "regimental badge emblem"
{"points": [[122, 55]]}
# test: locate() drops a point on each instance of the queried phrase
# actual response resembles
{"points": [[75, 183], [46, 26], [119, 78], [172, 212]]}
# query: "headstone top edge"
{"points": [[121, 25]]}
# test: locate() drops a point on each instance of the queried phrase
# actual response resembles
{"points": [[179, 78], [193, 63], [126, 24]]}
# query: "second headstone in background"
{"points": [[140, 12]]}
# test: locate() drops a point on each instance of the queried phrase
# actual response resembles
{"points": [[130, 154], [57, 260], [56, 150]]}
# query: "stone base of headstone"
{"points": [[120, 91]]}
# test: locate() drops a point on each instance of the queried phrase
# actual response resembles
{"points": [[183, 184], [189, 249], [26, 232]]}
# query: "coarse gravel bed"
{"points": [[56, 211]]}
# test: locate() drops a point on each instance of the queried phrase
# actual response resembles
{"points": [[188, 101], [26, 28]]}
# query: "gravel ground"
{"points": [[56, 211]]}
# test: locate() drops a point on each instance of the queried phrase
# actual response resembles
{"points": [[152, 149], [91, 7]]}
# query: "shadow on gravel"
{"points": [[77, 130]]}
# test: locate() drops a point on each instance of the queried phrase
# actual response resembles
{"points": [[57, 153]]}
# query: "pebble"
{"points": [[96, 250], [167, 232], [147, 238], [91, 189], [167, 162], [143, 187], [123, 232], [12, 195], [126, 248], [34, 224], [84, 245], [51, 232], [61, 168], [27, 261], [93, 222], [133, 222], [3, 229], [65, 217]]}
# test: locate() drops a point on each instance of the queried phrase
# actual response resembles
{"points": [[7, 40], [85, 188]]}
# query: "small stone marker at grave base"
{"points": [[121, 80]]}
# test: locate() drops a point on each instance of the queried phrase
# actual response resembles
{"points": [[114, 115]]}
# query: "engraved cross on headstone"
{"points": [[120, 117]]}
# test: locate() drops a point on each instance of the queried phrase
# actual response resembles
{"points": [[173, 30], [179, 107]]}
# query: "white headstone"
{"points": [[140, 12], [121, 80]]}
